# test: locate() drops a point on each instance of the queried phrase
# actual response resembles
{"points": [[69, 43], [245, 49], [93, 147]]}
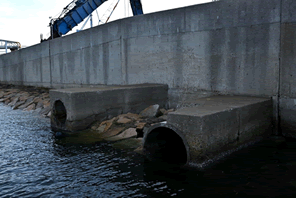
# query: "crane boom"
{"points": [[72, 15], [75, 12], [136, 7]]}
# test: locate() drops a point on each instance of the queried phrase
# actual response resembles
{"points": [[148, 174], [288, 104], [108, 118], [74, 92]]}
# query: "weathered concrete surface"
{"points": [[83, 106], [241, 47], [216, 124], [229, 46], [287, 89]]}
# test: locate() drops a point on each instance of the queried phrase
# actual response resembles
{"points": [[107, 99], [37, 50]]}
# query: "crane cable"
{"points": [[112, 11]]}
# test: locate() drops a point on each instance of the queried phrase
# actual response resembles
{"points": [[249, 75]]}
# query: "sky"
{"points": [[25, 20]]}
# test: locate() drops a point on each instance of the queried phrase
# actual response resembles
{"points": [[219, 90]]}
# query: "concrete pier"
{"points": [[75, 109], [208, 127]]}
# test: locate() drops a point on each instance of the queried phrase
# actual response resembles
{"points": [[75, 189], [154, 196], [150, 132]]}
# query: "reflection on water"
{"points": [[35, 164]]}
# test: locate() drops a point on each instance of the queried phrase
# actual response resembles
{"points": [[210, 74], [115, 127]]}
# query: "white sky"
{"points": [[25, 20]]}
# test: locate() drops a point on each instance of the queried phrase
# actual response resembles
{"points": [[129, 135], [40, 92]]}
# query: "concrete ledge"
{"points": [[75, 109], [213, 125]]}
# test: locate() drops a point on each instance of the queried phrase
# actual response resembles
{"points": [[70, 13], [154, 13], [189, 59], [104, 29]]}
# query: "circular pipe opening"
{"points": [[165, 146], [59, 112]]}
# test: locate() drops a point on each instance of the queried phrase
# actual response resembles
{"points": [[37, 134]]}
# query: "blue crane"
{"points": [[75, 12]]}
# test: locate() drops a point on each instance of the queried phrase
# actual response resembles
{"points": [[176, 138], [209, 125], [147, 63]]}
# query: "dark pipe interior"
{"points": [[59, 112], [165, 145]]}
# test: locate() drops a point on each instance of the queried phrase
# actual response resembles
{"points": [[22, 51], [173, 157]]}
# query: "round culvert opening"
{"points": [[165, 146], [59, 112]]}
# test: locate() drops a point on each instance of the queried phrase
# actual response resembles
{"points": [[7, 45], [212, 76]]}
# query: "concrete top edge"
{"points": [[106, 87], [215, 104]]}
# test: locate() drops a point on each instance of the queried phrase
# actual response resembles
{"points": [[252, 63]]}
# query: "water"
{"points": [[35, 164]]}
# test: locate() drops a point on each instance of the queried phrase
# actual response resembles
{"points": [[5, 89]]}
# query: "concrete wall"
{"points": [[287, 102], [240, 47]]}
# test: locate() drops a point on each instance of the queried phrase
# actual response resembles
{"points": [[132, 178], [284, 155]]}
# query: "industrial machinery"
{"points": [[12, 45], [77, 11]]}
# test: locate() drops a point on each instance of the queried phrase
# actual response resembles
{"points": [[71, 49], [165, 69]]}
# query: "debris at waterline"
{"points": [[125, 130]]}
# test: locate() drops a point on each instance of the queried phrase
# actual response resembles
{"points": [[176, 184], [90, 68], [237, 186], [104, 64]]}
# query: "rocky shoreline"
{"points": [[26, 98], [128, 128], [123, 130]]}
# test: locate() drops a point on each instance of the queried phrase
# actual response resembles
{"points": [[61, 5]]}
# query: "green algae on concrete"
{"points": [[131, 143]]}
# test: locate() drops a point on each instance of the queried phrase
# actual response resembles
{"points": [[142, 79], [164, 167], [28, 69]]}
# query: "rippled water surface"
{"points": [[34, 164]]}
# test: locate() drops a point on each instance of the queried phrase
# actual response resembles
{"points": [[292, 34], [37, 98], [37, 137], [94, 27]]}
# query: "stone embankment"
{"points": [[26, 98], [128, 128]]}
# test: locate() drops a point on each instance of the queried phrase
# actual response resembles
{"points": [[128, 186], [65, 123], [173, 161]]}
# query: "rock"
{"points": [[30, 107], [7, 101], [140, 125], [24, 97], [101, 128], [28, 102], [95, 125], [9, 94], [168, 111], [37, 110], [13, 102], [162, 110], [152, 111], [130, 143], [37, 100], [164, 117], [4, 99], [45, 95], [108, 124], [49, 114], [132, 116], [123, 120], [45, 111], [46, 103], [140, 148], [18, 104], [1, 94], [128, 133], [112, 132], [39, 104]]}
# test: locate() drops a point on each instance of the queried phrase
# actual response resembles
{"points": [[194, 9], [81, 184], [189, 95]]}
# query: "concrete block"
{"points": [[288, 11], [287, 115], [288, 58], [231, 13], [218, 124], [76, 108]]}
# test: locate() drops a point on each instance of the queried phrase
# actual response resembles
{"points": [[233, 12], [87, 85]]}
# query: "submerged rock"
{"points": [[131, 143], [128, 133], [112, 132]]}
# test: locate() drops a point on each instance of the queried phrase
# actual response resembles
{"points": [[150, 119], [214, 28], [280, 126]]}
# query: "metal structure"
{"points": [[136, 7], [12, 45], [78, 10]]}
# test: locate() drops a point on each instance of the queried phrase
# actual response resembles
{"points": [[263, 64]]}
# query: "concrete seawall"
{"points": [[242, 47]]}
